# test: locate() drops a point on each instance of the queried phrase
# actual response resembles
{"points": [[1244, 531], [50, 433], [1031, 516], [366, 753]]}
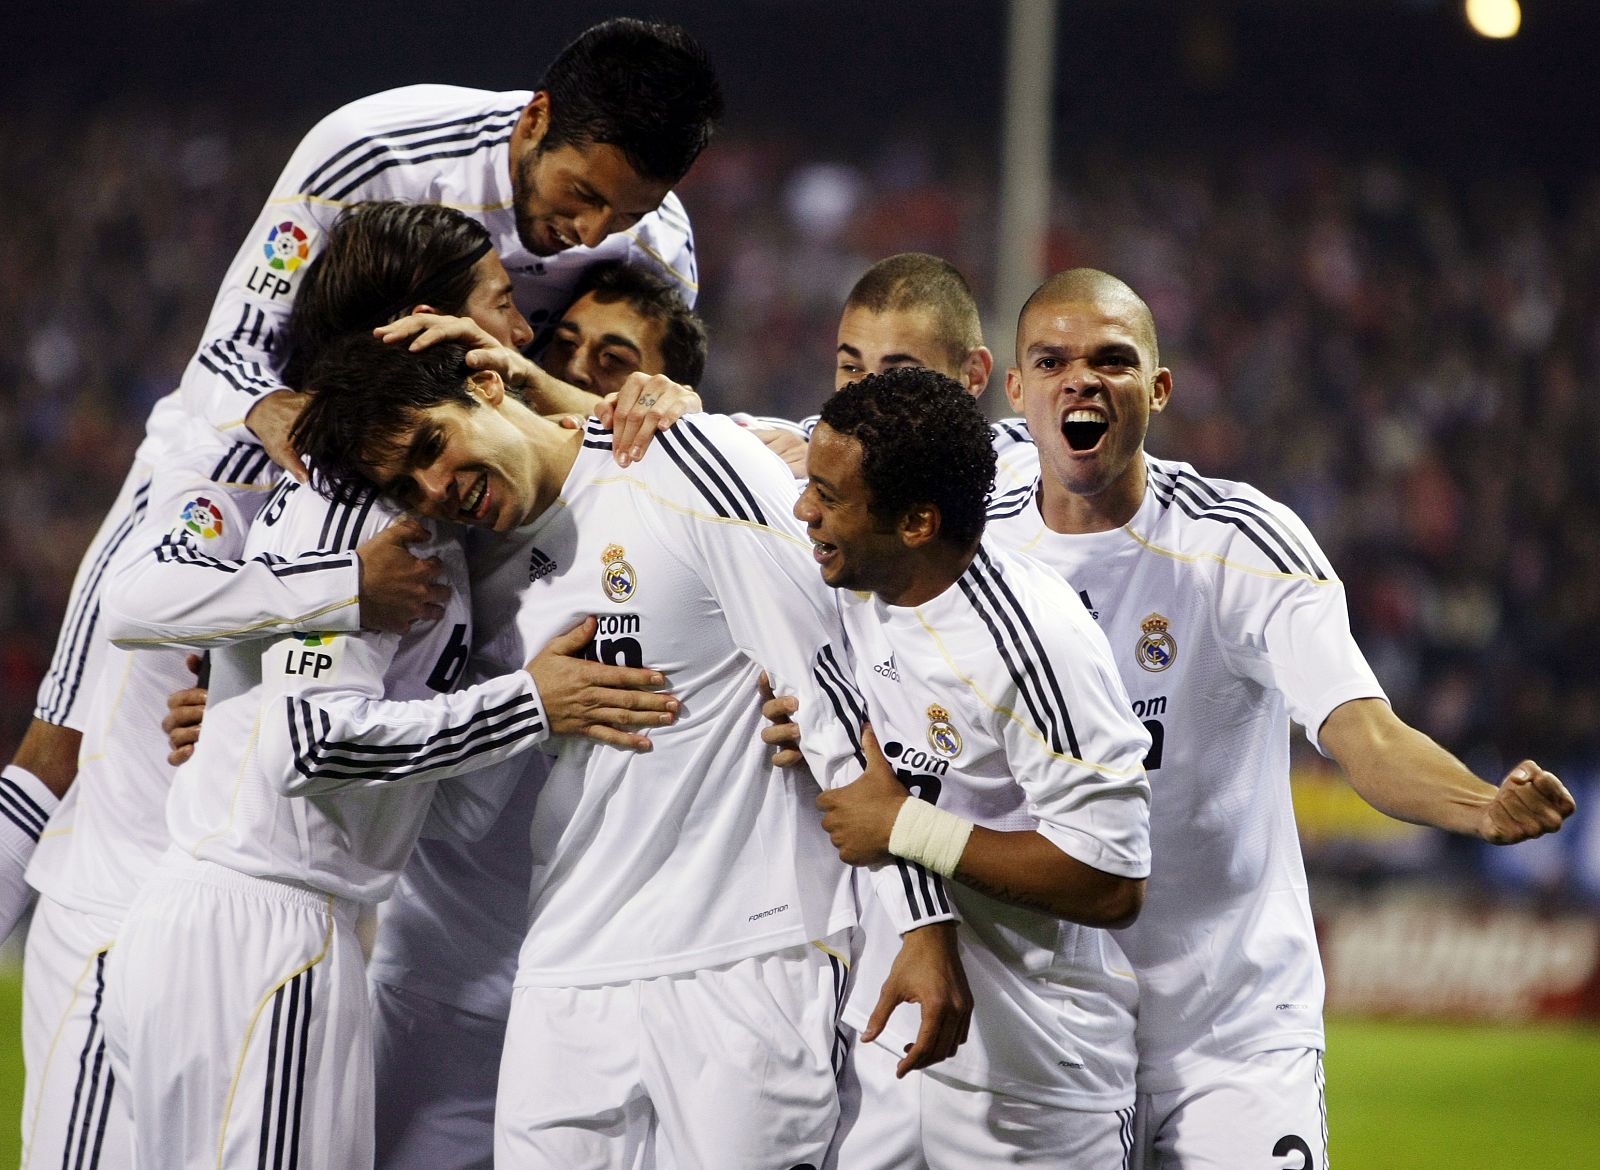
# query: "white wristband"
{"points": [[929, 836]]}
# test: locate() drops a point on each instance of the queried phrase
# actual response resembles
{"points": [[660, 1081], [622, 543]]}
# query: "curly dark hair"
{"points": [[923, 440], [380, 259], [368, 399], [645, 87]]}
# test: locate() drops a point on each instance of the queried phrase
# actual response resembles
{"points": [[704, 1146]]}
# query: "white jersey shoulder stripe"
{"points": [[1200, 499], [1013, 502], [78, 630], [342, 523], [924, 891], [386, 148], [710, 472], [992, 598]]}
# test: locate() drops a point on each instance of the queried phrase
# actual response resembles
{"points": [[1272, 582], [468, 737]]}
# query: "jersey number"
{"points": [[1292, 1143], [1158, 740], [452, 662]]}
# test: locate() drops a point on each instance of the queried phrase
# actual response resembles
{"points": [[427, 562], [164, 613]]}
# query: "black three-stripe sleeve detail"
{"points": [[72, 650], [316, 756], [343, 521], [325, 177], [1018, 642], [21, 809]]}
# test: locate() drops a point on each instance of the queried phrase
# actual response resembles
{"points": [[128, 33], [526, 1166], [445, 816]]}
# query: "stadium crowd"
{"points": [[1394, 355]]}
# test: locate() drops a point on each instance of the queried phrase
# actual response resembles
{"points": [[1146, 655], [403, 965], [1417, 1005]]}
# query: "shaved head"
{"points": [[1090, 286]]}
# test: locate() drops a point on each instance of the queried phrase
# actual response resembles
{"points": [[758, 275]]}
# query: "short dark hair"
{"points": [[923, 440], [918, 282], [645, 87], [368, 397], [379, 260], [683, 342]]}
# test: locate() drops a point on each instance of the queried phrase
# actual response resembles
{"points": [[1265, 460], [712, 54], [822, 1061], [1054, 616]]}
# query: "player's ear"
{"points": [[535, 120], [488, 387], [920, 525], [976, 369], [1160, 390], [1014, 389]]}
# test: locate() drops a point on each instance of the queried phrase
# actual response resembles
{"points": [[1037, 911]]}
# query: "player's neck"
{"points": [[1071, 512], [556, 450], [928, 574]]}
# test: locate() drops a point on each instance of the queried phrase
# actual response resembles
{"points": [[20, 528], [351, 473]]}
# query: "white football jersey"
{"points": [[699, 852], [319, 749], [422, 144], [997, 701], [1225, 620], [178, 572]]}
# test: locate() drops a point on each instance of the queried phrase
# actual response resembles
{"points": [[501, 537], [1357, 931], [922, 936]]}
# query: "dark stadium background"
{"points": [[1371, 239]]}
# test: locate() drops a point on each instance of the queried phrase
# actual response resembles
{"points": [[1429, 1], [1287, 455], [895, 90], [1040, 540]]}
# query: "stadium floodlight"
{"points": [[1498, 19]]}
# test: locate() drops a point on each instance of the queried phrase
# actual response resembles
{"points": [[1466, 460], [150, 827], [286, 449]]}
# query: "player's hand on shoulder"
{"points": [[597, 699], [781, 731], [1530, 802], [927, 972], [786, 445], [271, 420], [859, 817], [647, 403], [398, 587]]}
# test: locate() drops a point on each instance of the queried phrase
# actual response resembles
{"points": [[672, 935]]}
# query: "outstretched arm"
{"points": [[1401, 772]]}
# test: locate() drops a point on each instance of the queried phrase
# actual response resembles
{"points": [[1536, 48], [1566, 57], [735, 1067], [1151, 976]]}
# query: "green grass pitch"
{"points": [[1411, 1096]]}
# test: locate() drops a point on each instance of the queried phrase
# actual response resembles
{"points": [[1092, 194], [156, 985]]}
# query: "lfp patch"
{"points": [[287, 246], [202, 518]]}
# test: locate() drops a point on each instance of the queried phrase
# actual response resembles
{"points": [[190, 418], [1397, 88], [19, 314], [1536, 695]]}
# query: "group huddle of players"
{"points": [[883, 789]]}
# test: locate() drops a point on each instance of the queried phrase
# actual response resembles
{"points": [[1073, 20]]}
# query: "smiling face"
{"points": [[491, 306], [465, 464], [572, 194], [597, 344], [854, 549], [1087, 382]]}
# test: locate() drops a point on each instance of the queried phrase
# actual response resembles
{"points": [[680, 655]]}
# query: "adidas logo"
{"points": [[539, 566]]}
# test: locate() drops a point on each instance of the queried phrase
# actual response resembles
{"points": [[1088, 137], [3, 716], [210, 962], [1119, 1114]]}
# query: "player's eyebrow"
{"points": [[621, 342], [850, 351]]}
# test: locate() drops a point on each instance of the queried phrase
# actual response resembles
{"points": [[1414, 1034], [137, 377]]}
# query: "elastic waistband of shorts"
{"points": [[183, 867]]}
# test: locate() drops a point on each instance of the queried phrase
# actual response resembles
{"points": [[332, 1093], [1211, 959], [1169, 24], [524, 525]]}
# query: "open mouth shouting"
{"points": [[1083, 429]]}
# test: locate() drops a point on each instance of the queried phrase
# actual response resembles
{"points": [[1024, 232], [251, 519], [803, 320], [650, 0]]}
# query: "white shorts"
{"points": [[80, 643], [1267, 1113], [924, 1121], [721, 1069], [73, 1111], [435, 1070], [238, 1021]]}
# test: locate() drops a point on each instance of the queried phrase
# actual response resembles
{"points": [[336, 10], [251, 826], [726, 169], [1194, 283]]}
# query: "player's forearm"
{"points": [[1028, 870], [548, 394], [1401, 772], [176, 596]]}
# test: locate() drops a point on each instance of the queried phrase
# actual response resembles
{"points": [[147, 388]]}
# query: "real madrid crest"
{"points": [[1157, 650], [942, 734], [618, 580]]}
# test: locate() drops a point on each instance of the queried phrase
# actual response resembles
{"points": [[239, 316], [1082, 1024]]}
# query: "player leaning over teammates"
{"points": [[675, 896], [575, 172], [180, 578], [1225, 620], [995, 698]]}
